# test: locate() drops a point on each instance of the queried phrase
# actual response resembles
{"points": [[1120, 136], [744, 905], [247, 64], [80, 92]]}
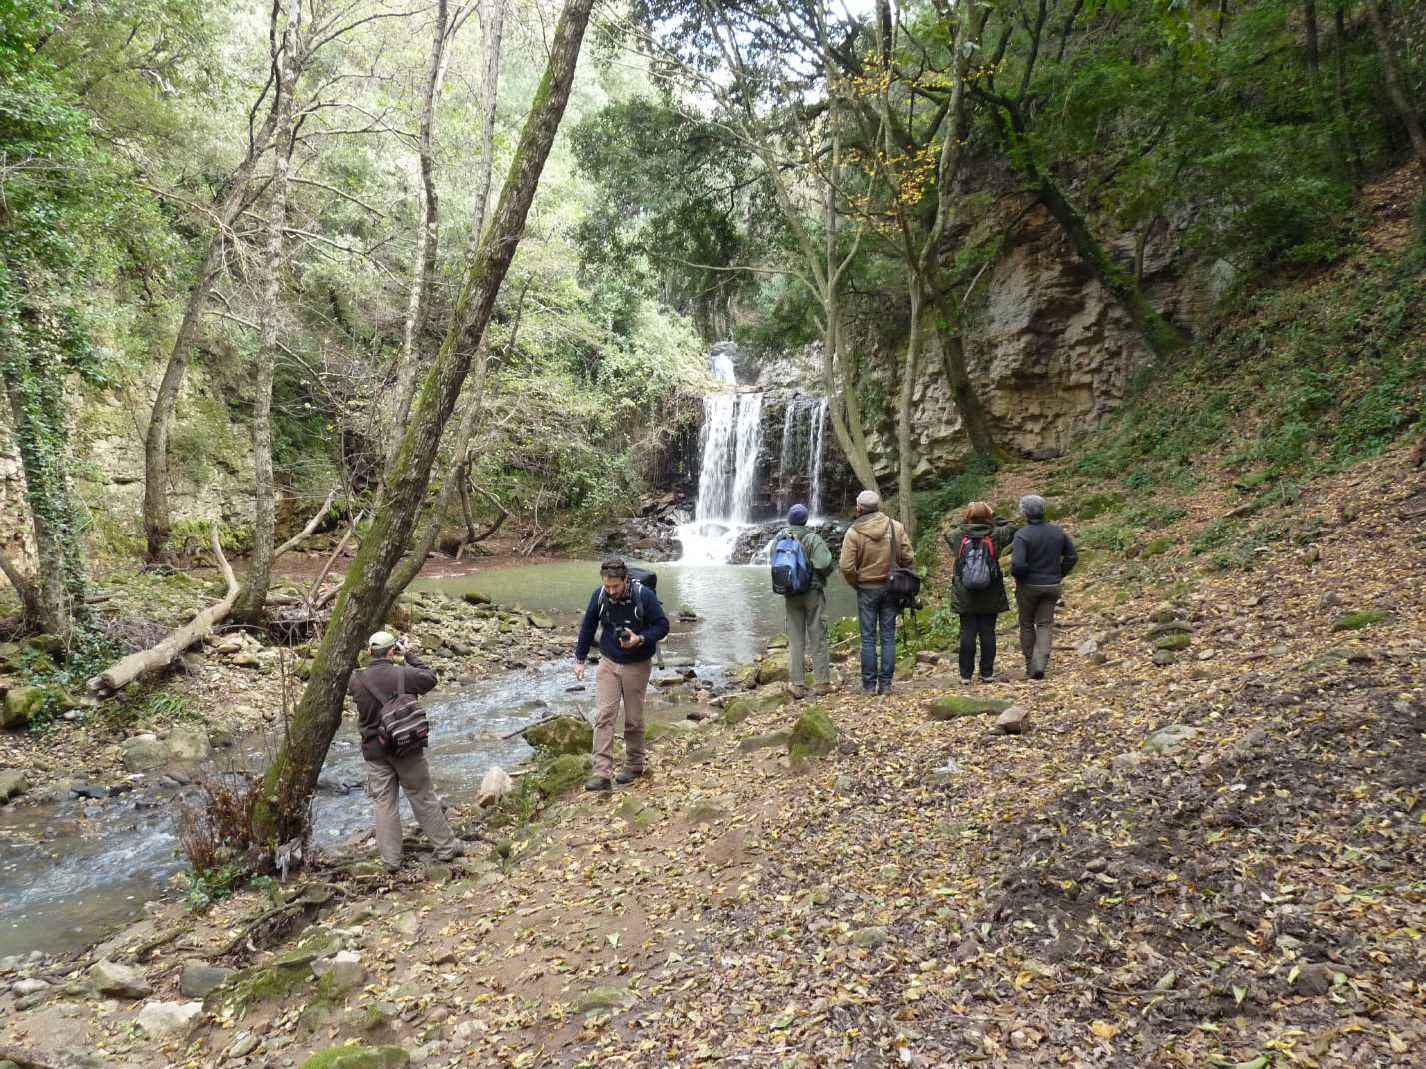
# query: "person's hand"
{"points": [[634, 639], [579, 671]]}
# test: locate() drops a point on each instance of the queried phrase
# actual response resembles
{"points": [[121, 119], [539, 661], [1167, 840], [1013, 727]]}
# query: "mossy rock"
{"points": [[264, 983], [602, 998], [1355, 621], [356, 1056], [773, 670], [318, 943], [955, 706], [1158, 547], [22, 704], [562, 735], [745, 676], [814, 735], [564, 773], [1173, 640], [475, 597], [739, 709], [1171, 627]]}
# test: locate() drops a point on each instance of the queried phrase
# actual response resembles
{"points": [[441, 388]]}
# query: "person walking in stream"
{"points": [[1043, 556], [875, 544], [801, 562], [979, 545], [395, 672], [631, 623]]}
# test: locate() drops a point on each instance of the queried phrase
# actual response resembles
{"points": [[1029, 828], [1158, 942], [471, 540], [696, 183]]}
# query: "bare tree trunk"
{"points": [[253, 598], [158, 521], [1319, 92], [906, 460], [493, 28], [1380, 18], [292, 777], [1349, 134], [423, 267]]}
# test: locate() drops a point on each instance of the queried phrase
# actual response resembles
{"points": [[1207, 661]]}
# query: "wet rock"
{"points": [[120, 981], [669, 679], [1168, 739], [953, 706], [31, 986], [13, 783], [814, 735], [144, 753], [1014, 721], [189, 743], [562, 735], [359, 1057], [540, 622], [169, 1018], [199, 978], [22, 704]]}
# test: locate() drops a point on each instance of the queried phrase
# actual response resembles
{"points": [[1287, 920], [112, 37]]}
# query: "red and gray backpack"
{"points": [[401, 724], [976, 565]]}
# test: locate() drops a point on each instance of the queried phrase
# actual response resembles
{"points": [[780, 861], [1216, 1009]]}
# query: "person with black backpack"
{"points": [[978, 546], [801, 562], [393, 741], [631, 623]]}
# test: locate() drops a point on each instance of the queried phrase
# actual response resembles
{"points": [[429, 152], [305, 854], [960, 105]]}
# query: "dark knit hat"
{"points": [[797, 515]]}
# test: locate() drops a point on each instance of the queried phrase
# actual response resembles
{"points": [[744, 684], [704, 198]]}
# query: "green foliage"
{"points": [[1355, 621], [971, 483], [201, 890], [63, 672]]}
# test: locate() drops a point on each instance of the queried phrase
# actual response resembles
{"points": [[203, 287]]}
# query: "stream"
{"points": [[72, 872]]}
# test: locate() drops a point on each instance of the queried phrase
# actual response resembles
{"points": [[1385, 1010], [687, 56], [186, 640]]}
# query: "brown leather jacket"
{"points": [[875, 543], [377, 684]]}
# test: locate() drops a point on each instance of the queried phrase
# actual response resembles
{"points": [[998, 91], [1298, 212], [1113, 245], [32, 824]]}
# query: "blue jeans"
{"points": [[876, 614]]}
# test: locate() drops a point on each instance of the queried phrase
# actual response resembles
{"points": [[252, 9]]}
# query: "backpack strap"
{"points": [[400, 685]]}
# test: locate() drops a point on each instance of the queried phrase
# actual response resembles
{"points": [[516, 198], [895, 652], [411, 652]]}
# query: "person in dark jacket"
{"points": [[807, 612], [979, 609], [631, 622], [1044, 555], [395, 669]]}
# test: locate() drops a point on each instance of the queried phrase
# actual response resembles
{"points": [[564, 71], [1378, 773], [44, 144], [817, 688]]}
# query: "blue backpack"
{"points": [[791, 574]]}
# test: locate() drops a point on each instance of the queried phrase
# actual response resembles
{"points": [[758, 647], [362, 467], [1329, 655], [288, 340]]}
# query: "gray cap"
{"points": [[868, 501], [1032, 507]]}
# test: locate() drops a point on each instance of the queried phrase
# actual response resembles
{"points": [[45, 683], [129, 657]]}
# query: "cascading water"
{"points": [[814, 450], [727, 476]]}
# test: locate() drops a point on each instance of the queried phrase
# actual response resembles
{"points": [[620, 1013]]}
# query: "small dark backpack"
{"points": [[401, 724], [976, 565]]}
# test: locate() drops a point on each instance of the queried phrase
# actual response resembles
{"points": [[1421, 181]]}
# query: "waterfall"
{"points": [[727, 475], [785, 458], [814, 458]]}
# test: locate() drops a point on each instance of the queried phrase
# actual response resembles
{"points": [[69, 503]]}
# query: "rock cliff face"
{"points": [[1051, 351], [210, 465]]}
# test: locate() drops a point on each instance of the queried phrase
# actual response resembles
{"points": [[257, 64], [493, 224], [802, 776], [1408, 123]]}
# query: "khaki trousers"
{"points": [[1037, 623], [412, 775], [614, 683], [807, 628]]}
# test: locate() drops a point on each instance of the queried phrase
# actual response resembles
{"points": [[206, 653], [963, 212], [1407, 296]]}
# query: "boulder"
{"points": [[189, 743], [1170, 738], [475, 597], [562, 735], [814, 735], [199, 978], [739, 709], [22, 704], [539, 622], [120, 981], [1014, 721], [144, 753], [763, 742], [773, 670], [359, 1056], [13, 783], [1170, 627], [343, 971], [169, 1018], [954, 706]]}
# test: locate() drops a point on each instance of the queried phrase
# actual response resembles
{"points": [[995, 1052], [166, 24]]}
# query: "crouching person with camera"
{"points": [[393, 743], [630, 622]]}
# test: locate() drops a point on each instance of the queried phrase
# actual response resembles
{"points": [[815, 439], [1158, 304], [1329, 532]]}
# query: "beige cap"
{"points": [[869, 500], [382, 640]]}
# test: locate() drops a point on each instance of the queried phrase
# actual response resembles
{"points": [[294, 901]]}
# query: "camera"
{"points": [[624, 636]]}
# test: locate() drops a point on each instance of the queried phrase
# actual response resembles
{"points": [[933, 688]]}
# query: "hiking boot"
{"points": [[598, 783], [1035, 675], [985, 679], [627, 776], [883, 688], [965, 681], [868, 688], [450, 855]]}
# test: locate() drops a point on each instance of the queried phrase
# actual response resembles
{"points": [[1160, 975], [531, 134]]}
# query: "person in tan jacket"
{"points": [[875, 543]]}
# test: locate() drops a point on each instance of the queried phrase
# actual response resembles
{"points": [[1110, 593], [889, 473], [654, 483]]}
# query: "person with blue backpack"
{"points": [[978, 546], [801, 562]]}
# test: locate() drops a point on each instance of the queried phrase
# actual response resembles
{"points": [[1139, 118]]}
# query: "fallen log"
{"points": [[123, 672]]}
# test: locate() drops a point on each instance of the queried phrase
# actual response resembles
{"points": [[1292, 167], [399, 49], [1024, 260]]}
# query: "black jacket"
{"points": [[377, 684], [1044, 554], [646, 618]]}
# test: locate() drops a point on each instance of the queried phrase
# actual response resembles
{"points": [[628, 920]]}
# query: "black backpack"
{"points": [[638, 579], [904, 585], [401, 724]]}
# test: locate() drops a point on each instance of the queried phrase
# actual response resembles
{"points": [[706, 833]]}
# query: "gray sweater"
{"points": [[1044, 554]]}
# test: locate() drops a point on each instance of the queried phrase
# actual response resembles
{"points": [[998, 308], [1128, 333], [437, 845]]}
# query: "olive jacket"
{"points": [[993, 598]]}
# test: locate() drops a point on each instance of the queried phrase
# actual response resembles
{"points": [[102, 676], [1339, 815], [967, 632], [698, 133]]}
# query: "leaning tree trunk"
{"points": [[493, 27], [282, 811], [253, 598], [158, 521], [905, 460], [1378, 16]]}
